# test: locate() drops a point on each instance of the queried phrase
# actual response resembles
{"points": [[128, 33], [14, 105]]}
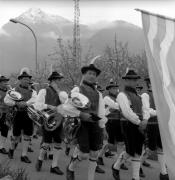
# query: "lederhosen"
{"points": [[21, 121], [113, 126], [52, 98], [153, 133], [89, 136], [133, 138], [3, 111]]}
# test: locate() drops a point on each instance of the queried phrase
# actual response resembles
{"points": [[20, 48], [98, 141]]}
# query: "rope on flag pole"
{"points": [[154, 14]]}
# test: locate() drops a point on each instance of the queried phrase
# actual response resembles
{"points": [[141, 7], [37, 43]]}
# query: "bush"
{"points": [[16, 174]]}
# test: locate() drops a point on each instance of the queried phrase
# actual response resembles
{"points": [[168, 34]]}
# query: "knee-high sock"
{"points": [[30, 142], [121, 159], [56, 156], [161, 159], [103, 150], [91, 169], [43, 151], [144, 155], [74, 159], [2, 141], [135, 168], [13, 142], [25, 145], [51, 149]]}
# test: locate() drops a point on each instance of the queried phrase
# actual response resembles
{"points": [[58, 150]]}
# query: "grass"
{"points": [[16, 174]]}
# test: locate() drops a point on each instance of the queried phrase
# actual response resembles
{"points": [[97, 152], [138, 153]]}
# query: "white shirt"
{"points": [[40, 100], [111, 104], [101, 108], [127, 112], [147, 111]]}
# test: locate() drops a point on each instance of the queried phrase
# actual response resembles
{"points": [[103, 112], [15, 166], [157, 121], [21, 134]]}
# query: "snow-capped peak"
{"points": [[35, 15]]}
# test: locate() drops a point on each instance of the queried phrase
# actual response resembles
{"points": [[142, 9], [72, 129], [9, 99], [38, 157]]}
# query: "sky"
{"points": [[91, 11]]}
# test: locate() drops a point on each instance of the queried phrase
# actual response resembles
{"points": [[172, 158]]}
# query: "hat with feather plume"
{"points": [[91, 67], [131, 74], [3, 78], [25, 72], [111, 84]]}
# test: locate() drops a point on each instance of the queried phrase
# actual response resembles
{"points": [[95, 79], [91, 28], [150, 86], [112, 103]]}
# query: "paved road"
{"points": [[151, 173]]}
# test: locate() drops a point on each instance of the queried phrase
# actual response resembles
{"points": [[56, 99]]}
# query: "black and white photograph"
{"points": [[87, 90]]}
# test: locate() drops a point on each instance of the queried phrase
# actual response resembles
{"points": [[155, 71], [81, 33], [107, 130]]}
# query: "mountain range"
{"points": [[17, 43]]}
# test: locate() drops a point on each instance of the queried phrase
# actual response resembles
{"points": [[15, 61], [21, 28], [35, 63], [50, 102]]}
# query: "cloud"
{"points": [[50, 34], [3, 32]]}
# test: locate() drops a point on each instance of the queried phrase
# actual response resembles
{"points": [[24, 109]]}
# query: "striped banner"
{"points": [[159, 32]]}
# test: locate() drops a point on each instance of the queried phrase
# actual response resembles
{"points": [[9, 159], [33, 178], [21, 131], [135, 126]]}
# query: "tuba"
{"points": [[72, 122], [49, 119]]}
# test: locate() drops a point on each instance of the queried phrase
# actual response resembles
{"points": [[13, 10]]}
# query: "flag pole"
{"points": [[154, 14]]}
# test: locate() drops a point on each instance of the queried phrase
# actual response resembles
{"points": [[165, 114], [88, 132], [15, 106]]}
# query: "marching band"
{"points": [[93, 123]]}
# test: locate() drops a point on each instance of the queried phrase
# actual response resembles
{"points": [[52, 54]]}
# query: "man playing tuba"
{"points": [[89, 135], [22, 124], [49, 99]]}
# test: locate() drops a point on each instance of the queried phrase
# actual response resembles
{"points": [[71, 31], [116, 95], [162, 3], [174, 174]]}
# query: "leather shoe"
{"points": [[30, 149], [67, 151], [100, 161], [164, 177], [141, 173], [3, 151], [146, 164], [99, 170], [109, 154], [25, 159], [51, 156], [56, 170], [123, 166], [10, 153], [38, 165], [115, 173], [69, 174]]}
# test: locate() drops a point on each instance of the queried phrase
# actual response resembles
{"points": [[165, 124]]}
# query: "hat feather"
{"points": [[95, 58], [26, 70]]}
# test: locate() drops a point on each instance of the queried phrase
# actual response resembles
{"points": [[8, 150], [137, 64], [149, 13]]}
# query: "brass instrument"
{"points": [[71, 126], [72, 123], [49, 119]]}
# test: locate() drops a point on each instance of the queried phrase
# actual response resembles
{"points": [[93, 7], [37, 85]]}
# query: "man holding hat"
{"points": [[49, 99], [131, 107], [90, 134], [153, 133], [22, 124], [3, 112]]}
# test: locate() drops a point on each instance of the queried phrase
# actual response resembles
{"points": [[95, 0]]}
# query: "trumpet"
{"points": [[49, 119]]}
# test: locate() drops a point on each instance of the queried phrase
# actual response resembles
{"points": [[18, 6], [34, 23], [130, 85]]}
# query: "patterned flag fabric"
{"points": [[159, 32]]}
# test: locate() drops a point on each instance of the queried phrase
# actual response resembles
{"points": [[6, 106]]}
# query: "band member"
{"points": [[113, 114], [89, 135], [50, 98], [153, 133], [113, 125], [131, 107], [105, 137], [22, 124], [144, 156], [4, 109]]}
